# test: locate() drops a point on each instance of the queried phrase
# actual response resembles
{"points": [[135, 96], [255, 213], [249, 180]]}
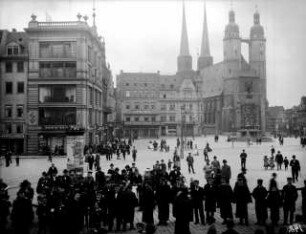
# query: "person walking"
{"points": [[286, 163], [243, 157], [225, 199], [163, 198], [259, 194], [295, 168], [190, 162], [279, 160], [207, 170], [134, 154], [289, 197], [274, 201], [197, 197], [210, 196]]}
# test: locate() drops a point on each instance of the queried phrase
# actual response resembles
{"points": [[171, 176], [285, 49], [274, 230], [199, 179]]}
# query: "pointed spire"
{"points": [[205, 51], [94, 13], [184, 49]]}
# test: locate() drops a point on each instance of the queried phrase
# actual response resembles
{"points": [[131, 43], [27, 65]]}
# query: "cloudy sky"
{"points": [[144, 35]]}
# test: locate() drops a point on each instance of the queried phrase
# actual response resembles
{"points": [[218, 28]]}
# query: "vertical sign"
{"points": [[75, 156]]}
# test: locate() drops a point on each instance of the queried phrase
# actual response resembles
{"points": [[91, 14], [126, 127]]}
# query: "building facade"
{"points": [[69, 84], [13, 90], [229, 96]]}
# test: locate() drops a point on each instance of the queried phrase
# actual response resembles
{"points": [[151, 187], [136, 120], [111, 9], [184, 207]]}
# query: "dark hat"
{"points": [[90, 171], [111, 165]]}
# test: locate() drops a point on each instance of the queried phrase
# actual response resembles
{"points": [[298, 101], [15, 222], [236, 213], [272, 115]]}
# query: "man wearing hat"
{"points": [[295, 168], [226, 172], [290, 196], [260, 193]]}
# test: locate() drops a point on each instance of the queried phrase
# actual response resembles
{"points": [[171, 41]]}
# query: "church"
{"points": [[224, 97]]}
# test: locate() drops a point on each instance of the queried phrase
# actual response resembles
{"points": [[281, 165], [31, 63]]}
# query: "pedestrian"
{"points": [[17, 159], [279, 160], [52, 170], [148, 202], [22, 214], [226, 172], [286, 163], [207, 171], [134, 154], [190, 162], [272, 151], [243, 157], [242, 197], [182, 211], [163, 198], [259, 194], [169, 164], [295, 168], [205, 153], [225, 198], [210, 197], [274, 202], [289, 196], [197, 197], [304, 201], [215, 165], [97, 161], [90, 161]]}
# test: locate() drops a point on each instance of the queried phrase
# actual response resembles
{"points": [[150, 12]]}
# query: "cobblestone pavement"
{"points": [[31, 168]]}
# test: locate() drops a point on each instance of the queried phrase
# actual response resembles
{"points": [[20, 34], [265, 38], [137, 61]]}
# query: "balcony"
{"points": [[50, 99]]}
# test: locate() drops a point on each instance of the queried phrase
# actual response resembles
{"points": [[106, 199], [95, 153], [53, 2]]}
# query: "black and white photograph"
{"points": [[152, 116]]}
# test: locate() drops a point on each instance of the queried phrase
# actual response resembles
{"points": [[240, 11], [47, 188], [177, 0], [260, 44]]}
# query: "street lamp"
{"points": [[182, 132]]}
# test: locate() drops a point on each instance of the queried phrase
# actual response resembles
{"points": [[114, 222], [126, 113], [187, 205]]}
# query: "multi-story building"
{"points": [[276, 120], [13, 90], [229, 96], [68, 85]]}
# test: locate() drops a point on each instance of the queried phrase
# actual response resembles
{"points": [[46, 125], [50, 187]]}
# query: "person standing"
{"points": [[163, 198], [304, 201], [210, 196], [182, 211], [90, 160], [190, 161], [226, 172], [295, 168], [225, 199], [207, 170], [197, 197], [215, 165], [279, 160], [148, 202], [286, 163], [259, 194], [134, 154], [17, 159], [242, 197], [289, 196], [243, 157]]}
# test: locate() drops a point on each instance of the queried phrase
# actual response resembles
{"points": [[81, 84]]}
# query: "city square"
{"points": [[168, 117]]}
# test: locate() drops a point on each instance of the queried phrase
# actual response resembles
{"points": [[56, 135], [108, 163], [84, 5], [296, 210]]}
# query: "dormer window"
{"points": [[13, 50]]}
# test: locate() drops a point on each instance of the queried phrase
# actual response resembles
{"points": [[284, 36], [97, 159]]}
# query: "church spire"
{"points": [[184, 49], [205, 60], [184, 60], [205, 51]]}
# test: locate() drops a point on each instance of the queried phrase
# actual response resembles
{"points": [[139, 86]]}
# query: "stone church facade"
{"points": [[229, 96]]}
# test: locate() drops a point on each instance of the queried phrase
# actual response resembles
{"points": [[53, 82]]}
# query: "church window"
{"points": [[8, 67], [137, 106], [12, 50]]}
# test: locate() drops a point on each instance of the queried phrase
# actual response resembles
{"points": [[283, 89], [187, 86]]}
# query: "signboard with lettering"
{"points": [[75, 156], [33, 117]]}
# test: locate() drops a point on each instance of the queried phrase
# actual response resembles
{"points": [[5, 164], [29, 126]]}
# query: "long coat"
{"points": [[148, 205], [210, 195], [182, 211], [289, 197], [242, 197], [163, 198], [274, 202], [260, 194], [225, 199]]}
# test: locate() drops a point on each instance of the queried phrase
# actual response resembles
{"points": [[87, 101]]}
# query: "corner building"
{"points": [[68, 84], [228, 96]]}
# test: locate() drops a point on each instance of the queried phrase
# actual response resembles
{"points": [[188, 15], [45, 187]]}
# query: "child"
{"points": [[169, 165], [286, 163]]}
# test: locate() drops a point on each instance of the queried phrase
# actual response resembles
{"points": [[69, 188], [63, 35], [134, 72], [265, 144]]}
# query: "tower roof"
{"points": [[205, 51], [184, 49], [257, 30]]}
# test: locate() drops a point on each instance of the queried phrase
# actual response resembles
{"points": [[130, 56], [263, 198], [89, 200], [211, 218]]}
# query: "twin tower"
{"points": [[231, 47]]}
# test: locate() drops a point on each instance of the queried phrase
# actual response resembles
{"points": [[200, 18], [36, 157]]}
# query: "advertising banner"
{"points": [[75, 156]]}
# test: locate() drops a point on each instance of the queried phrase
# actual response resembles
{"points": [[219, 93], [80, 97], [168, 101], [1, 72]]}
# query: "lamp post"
{"points": [[182, 132]]}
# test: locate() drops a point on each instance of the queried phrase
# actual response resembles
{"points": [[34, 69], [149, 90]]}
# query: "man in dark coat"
{"points": [[52, 170], [131, 203], [289, 196], [295, 168], [75, 214], [163, 197], [190, 161], [225, 199], [304, 201], [100, 178], [226, 172], [260, 193], [90, 160], [243, 157], [22, 214], [242, 197], [148, 203], [182, 211], [210, 196], [279, 160], [197, 197]]}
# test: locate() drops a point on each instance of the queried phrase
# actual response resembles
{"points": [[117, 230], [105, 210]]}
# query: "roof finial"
{"points": [[184, 49]]}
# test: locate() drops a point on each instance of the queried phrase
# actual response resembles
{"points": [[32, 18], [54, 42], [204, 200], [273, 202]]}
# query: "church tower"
{"points": [[205, 60], [232, 47], [257, 48], [184, 60]]}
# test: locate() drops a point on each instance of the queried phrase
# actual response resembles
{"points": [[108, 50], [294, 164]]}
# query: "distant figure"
{"points": [[243, 157], [134, 154], [286, 163], [290, 196], [260, 193], [279, 160], [295, 168], [190, 161]]}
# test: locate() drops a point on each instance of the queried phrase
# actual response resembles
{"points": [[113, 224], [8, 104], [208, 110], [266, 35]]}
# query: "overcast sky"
{"points": [[144, 35]]}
